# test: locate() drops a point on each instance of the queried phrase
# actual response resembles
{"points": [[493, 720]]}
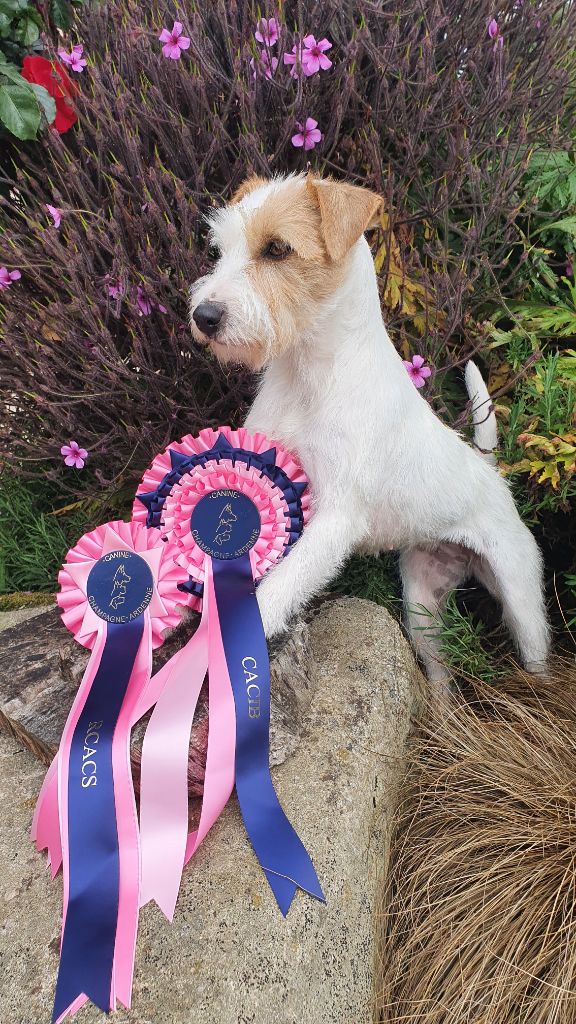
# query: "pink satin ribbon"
{"points": [[49, 826], [166, 844]]}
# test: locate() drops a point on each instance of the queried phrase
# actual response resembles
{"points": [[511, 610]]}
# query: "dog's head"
{"points": [[283, 247]]}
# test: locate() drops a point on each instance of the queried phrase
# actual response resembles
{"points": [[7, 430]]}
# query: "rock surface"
{"points": [[18, 615], [41, 666], [229, 957]]}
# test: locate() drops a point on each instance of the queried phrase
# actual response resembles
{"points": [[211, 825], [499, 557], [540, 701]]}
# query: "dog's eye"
{"points": [[276, 250]]}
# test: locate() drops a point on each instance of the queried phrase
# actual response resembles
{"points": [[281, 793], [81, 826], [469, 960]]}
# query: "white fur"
{"points": [[385, 472]]}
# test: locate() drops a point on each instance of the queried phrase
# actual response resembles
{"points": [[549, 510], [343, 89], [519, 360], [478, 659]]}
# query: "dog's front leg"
{"points": [[315, 559]]}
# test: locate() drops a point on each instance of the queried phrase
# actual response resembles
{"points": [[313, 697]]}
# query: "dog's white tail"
{"points": [[483, 418]]}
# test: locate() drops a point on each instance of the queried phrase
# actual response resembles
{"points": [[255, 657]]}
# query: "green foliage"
{"points": [[23, 105], [550, 179], [20, 26], [540, 437], [463, 645], [26, 108], [33, 542], [372, 578]]}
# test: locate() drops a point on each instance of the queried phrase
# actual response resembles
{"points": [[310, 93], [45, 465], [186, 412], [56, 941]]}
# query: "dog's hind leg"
{"points": [[510, 567], [428, 576]]}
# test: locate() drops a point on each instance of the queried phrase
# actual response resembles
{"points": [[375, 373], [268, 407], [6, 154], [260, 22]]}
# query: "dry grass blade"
{"points": [[478, 921]]}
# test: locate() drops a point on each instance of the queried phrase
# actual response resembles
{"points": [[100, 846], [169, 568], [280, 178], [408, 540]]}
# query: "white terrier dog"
{"points": [[294, 293]]}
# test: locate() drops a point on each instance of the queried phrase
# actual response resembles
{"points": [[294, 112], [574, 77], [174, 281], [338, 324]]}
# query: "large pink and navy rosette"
{"points": [[119, 591], [213, 514], [232, 504]]}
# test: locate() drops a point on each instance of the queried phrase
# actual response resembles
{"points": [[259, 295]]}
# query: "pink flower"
{"points": [[116, 289], [308, 134], [313, 56], [174, 41], [267, 31], [74, 455], [417, 370], [494, 33], [569, 269], [145, 304], [74, 59], [295, 59], [8, 276], [266, 65], [55, 213]]}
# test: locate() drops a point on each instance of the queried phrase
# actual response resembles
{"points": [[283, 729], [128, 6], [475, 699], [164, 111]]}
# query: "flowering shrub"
{"points": [[26, 104], [176, 105]]}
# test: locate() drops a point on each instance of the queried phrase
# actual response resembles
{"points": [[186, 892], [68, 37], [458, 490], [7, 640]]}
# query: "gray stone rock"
{"points": [[14, 618], [229, 957], [41, 666]]}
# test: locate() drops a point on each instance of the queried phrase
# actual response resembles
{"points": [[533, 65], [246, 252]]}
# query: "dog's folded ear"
{"points": [[346, 212]]}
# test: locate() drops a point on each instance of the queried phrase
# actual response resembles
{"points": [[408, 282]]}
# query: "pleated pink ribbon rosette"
{"points": [[260, 506], [119, 592]]}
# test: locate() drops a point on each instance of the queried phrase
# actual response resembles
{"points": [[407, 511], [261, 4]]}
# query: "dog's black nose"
{"points": [[208, 317]]}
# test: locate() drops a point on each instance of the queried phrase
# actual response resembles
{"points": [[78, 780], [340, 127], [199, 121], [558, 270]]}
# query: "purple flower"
{"points": [[74, 455], [8, 276], [55, 213], [267, 31], [314, 55], [145, 304], [116, 288], [266, 65], [308, 134], [74, 59], [417, 370], [174, 41], [494, 33], [295, 59]]}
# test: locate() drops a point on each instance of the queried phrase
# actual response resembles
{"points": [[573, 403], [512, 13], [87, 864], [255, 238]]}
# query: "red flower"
{"points": [[53, 77]]}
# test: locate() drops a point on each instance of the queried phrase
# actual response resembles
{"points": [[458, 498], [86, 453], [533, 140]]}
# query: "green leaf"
{"points": [[27, 30], [5, 24], [60, 13], [12, 8], [12, 72], [46, 101], [567, 224], [19, 110]]}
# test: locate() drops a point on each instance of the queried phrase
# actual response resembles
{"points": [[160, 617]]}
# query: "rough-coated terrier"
{"points": [[294, 294]]}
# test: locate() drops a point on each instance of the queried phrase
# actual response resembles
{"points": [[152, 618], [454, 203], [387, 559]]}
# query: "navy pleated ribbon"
{"points": [[278, 848], [88, 942]]}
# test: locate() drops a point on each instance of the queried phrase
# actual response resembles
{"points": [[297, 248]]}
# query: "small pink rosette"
{"points": [[119, 592]]}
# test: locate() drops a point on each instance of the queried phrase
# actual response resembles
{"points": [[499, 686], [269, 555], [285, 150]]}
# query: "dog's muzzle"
{"points": [[209, 317]]}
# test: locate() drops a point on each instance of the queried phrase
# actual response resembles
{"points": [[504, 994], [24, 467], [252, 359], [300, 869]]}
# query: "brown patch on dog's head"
{"points": [[290, 265], [346, 211], [298, 240], [248, 186], [284, 255]]}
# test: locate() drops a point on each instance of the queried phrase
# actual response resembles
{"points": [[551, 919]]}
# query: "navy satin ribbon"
{"points": [[87, 955], [280, 852]]}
